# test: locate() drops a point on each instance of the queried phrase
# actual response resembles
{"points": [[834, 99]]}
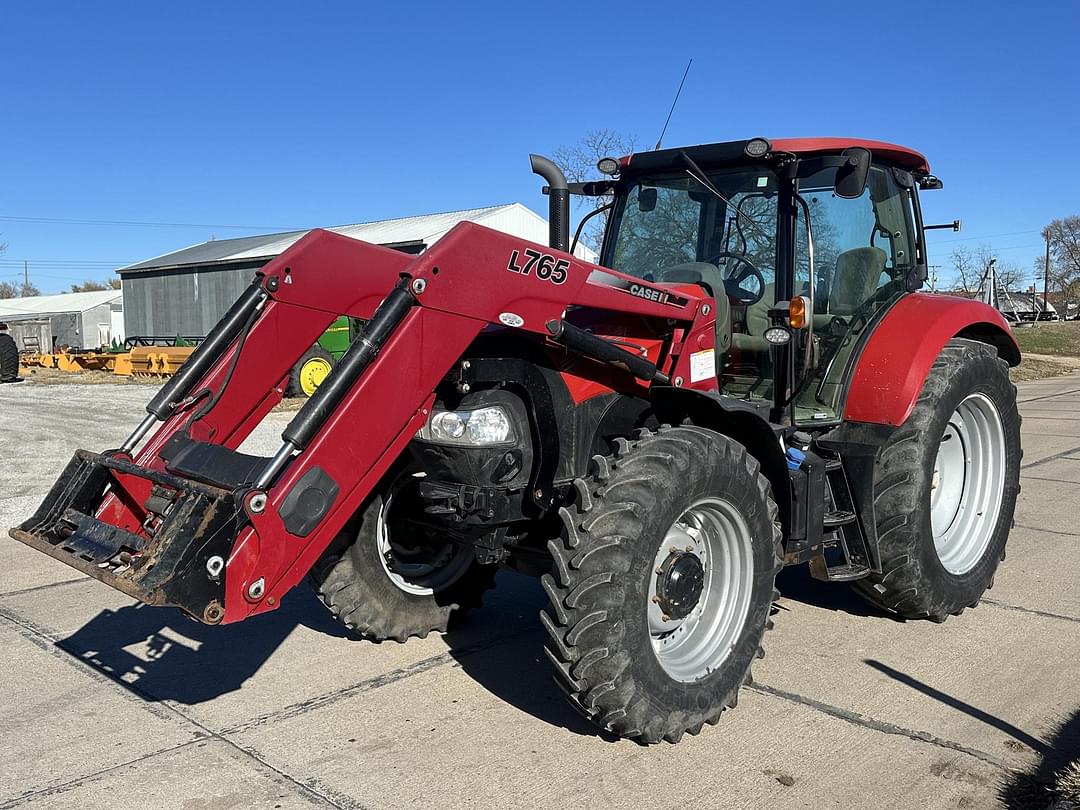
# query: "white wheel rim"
{"points": [[411, 572], [967, 484], [691, 648]]}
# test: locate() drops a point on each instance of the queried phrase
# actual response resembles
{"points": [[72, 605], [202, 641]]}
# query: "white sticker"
{"points": [[762, 182], [702, 365], [511, 319]]}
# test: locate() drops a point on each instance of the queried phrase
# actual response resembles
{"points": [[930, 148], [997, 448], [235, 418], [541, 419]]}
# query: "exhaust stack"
{"points": [[558, 201]]}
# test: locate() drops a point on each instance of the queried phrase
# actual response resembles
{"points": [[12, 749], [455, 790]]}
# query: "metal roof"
{"points": [[41, 305], [420, 230]]}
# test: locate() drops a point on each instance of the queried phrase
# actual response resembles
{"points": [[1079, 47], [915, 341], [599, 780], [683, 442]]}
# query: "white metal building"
{"points": [[185, 292], [84, 320]]}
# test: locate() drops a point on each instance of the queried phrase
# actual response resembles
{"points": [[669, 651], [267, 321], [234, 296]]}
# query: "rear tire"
{"points": [[945, 488], [310, 371], [9, 359], [661, 495], [390, 591]]}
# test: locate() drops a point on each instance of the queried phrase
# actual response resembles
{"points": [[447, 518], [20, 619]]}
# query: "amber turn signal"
{"points": [[798, 311]]}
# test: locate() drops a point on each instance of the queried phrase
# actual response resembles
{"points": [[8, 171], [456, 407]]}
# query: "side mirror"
{"points": [[851, 177], [646, 199]]}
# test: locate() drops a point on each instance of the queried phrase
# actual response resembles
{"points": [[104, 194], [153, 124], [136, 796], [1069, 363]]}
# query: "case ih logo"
{"points": [[659, 296], [639, 290]]}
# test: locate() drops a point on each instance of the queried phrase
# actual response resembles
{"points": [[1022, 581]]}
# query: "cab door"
{"points": [[864, 255]]}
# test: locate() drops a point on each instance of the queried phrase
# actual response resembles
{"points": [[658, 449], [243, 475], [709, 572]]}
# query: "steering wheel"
{"points": [[735, 282]]}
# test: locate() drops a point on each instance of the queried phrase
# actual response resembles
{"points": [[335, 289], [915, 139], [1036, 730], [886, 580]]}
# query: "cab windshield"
{"points": [[664, 224], [674, 229]]}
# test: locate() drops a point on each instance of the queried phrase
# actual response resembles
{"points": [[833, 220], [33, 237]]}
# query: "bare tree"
{"points": [[578, 161], [27, 289], [967, 272], [970, 265], [8, 290], [91, 286]]}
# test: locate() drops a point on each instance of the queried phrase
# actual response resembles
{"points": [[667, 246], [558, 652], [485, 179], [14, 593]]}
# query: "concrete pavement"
{"points": [[105, 703]]}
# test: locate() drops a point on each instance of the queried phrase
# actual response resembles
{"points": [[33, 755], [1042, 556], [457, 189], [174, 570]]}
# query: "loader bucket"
{"points": [[145, 562]]}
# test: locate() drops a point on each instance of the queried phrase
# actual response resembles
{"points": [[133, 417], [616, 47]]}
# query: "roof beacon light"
{"points": [[608, 165], [757, 147]]}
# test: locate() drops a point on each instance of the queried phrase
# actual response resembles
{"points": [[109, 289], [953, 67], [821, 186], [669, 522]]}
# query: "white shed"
{"points": [[84, 320]]}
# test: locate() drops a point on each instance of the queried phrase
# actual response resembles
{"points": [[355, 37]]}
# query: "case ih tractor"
{"points": [[748, 379]]}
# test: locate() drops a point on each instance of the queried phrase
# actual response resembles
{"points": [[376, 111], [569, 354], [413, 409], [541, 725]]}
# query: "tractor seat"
{"points": [[757, 321], [856, 278], [708, 276]]}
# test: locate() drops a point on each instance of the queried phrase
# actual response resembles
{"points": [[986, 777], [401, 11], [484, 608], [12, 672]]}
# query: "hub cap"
{"points": [[312, 373], [700, 589], [968, 484], [419, 570]]}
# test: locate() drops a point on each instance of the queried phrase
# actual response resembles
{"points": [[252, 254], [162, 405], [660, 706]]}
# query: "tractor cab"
{"points": [[804, 244]]}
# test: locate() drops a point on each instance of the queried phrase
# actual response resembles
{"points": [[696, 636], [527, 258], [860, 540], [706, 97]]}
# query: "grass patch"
{"points": [[1060, 339]]}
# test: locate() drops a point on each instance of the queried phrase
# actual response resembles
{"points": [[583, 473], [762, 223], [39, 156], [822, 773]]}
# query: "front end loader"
{"points": [[748, 378]]}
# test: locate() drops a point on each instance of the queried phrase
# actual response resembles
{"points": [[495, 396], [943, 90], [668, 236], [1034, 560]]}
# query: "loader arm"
{"points": [[187, 520]]}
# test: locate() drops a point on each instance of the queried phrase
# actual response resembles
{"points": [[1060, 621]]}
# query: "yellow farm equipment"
{"points": [[153, 361], [141, 361]]}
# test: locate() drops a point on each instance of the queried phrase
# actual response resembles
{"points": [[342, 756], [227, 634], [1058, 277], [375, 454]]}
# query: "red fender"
{"points": [[898, 356]]}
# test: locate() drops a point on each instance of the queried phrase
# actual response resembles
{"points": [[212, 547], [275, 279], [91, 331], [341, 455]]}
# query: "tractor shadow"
{"points": [[160, 654], [508, 658], [795, 583]]}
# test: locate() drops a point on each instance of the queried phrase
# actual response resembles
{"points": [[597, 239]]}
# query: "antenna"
{"points": [[673, 103]]}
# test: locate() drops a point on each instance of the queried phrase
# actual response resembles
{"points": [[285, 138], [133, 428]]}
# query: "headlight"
{"points": [[483, 426]]}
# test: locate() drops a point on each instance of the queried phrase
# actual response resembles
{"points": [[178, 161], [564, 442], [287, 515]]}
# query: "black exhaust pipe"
{"points": [[558, 201]]}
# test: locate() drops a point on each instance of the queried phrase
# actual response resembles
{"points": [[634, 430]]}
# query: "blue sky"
{"points": [[293, 115]]}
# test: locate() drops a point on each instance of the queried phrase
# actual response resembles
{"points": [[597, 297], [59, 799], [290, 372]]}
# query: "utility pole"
{"points": [[26, 273], [933, 268], [1046, 275]]}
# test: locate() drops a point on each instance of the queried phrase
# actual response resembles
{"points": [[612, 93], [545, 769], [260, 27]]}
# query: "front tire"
{"points": [[945, 488], [383, 586], [677, 530]]}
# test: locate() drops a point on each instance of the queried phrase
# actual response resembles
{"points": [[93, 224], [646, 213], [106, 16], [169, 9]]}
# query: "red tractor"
{"points": [[749, 378]]}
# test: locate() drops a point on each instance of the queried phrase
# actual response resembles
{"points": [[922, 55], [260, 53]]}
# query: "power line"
{"points": [[140, 224], [59, 263], [35, 274]]}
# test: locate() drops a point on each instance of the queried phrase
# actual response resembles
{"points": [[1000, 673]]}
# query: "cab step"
{"points": [[837, 518], [843, 572]]}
